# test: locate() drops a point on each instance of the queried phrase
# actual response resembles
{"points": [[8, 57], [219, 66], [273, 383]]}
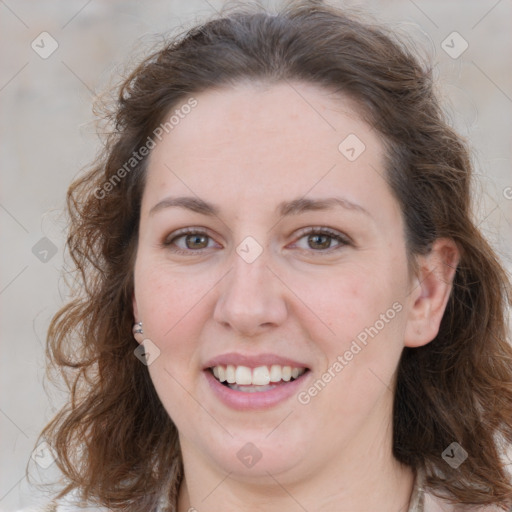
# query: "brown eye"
{"points": [[321, 240], [188, 241], [196, 241], [318, 241]]}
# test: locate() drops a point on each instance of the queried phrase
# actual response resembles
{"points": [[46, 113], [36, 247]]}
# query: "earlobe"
{"points": [[137, 330], [430, 292]]}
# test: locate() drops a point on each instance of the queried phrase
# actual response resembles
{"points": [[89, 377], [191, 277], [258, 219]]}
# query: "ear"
{"points": [[430, 291]]}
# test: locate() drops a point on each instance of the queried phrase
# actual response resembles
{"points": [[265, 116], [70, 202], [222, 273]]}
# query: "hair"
{"points": [[114, 441]]}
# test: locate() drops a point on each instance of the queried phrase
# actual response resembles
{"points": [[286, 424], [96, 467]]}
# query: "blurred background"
{"points": [[57, 56]]}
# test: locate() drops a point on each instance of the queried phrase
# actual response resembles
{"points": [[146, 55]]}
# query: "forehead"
{"points": [[250, 140], [260, 111]]}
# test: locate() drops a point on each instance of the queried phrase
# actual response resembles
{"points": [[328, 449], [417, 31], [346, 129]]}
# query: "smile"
{"points": [[278, 384], [251, 380]]}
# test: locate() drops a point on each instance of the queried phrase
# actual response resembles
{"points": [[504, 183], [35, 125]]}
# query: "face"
{"points": [[271, 253]]}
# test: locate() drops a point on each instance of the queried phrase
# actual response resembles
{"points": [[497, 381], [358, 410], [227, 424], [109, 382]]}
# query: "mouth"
{"points": [[256, 380]]}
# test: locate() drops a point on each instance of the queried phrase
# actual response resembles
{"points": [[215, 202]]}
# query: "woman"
{"points": [[285, 304]]}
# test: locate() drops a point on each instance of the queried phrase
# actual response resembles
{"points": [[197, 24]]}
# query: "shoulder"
{"points": [[42, 508], [64, 507], [425, 501], [435, 504]]}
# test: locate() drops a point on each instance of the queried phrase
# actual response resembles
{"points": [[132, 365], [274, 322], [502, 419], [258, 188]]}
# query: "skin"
{"points": [[246, 149]]}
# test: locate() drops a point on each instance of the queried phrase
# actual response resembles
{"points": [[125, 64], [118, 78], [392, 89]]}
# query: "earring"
{"points": [[137, 328]]}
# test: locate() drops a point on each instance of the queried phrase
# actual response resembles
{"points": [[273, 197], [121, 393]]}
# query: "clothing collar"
{"points": [[417, 503]]}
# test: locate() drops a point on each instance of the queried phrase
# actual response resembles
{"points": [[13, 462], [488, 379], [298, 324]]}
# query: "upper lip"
{"points": [[252, 361]]}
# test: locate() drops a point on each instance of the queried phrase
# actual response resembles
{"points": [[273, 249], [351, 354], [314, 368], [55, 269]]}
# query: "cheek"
{"points": [[169, 300], [172, 307], [172, 310], [347, 302], [362, 310]]}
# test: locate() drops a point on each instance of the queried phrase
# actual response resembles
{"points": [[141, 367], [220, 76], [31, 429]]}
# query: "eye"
{"points": [[188, 240], [321, 239], [316, 239]]}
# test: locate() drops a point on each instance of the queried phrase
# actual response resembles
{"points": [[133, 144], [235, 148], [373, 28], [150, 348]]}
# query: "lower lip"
{"points": [[257, 400]]}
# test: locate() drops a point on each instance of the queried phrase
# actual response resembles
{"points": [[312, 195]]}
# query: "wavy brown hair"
{"points": [[115, 443]]}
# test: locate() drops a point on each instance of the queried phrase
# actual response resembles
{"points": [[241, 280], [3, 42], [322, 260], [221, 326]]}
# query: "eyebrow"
{"points": [[285, 209]]}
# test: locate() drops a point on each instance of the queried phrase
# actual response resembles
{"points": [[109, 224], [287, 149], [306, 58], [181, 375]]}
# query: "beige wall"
{"points": [[47, 135]]}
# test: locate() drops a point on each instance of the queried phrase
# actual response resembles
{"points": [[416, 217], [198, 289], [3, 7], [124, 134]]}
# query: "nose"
{"points": [[251, 299]]}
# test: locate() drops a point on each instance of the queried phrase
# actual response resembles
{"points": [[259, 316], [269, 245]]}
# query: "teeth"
{"points": [[243, 375], [260, 376], [230, 374], [275, 373]]}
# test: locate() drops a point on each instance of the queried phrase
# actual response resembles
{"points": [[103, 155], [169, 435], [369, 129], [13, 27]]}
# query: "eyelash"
{"points": [[338, 237]]}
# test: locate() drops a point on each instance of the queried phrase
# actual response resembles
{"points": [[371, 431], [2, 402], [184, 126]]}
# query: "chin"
{"points": [[256, 454]]}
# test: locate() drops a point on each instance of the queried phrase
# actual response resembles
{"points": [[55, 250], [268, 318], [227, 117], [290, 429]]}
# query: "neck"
{"points": [[364, 477]]}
